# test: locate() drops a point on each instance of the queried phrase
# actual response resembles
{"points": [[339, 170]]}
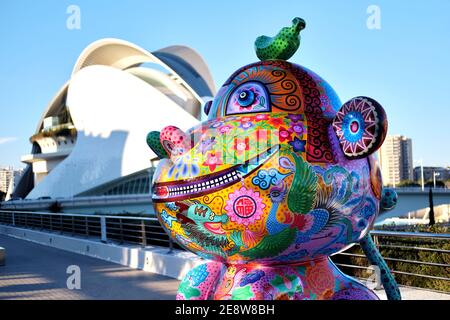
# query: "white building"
{"points": [[91, 137], [396, 159], [9, 177], [6, 174]]}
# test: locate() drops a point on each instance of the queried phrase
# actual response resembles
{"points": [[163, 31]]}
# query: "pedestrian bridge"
{"points": [[414, 199], [126, 242], [28, 275]]}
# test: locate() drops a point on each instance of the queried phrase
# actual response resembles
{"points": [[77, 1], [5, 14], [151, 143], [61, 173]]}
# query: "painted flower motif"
{"points": [[298, 145], [320, 278], [284, 134], [213, 159], [245, 119], [216, 124], [244, 206], [262, 117], [225, 129], [206, 144], [246, 125], [232, 118], [298, 128], [241, 145], [276, 122], [295, 117]]}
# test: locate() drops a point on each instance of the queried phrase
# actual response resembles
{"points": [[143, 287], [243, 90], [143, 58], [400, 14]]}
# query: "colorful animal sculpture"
{"points": [[280, 177]]}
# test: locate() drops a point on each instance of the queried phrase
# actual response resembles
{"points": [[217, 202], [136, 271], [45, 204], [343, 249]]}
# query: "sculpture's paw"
{"points": [[199, 283]]}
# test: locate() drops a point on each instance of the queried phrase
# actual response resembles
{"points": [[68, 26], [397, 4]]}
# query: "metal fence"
{"points": [[146, 231], [404, 241], [119, 229], [419, 189]]}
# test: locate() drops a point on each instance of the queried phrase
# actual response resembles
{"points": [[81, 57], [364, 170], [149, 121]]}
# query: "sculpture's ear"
{"points": [[389, 199], [153, 141], [361, 126]]}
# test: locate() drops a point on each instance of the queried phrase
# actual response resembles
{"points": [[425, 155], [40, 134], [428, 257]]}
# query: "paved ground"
{"points": [[409, 293], [34, 271]]}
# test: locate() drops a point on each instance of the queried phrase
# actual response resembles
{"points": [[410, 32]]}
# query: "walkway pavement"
{"points": [[409, 293], [34, 271]]}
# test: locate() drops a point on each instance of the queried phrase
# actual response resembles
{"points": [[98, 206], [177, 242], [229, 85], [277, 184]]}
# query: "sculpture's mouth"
{"points": [[189, 188]]}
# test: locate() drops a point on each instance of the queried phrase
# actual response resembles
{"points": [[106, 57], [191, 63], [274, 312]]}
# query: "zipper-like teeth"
{"points": [[204, 185]]}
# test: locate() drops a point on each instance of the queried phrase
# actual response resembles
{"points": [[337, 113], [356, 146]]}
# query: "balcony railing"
{"points": [[146, 231]]}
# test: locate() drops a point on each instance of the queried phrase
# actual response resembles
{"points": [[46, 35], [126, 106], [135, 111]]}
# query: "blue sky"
{"points": [[405, 65]]}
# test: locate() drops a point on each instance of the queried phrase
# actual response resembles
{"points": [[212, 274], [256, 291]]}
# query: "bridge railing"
{"points": [[419, 189], [146, 231], [405, 253], [119, 229]]}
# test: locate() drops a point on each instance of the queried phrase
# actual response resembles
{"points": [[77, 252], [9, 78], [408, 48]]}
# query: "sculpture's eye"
{"points": [[248, 98]]}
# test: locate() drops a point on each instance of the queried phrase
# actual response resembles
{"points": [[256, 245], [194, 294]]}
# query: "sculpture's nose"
{"points": [[171, 142], [174, 141]]}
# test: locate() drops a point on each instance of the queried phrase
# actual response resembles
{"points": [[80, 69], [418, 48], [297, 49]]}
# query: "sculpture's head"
{"points": [[280, 172]]}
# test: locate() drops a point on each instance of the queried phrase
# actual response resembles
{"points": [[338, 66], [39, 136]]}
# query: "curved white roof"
{"points": [[174, 54], [54, 105], [178, 60], [185, 63], [113, 111], [108, 76]]}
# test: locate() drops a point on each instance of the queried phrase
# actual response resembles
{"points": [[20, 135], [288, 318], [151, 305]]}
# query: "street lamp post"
{"points": [[435, 174], [421, 173]]}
